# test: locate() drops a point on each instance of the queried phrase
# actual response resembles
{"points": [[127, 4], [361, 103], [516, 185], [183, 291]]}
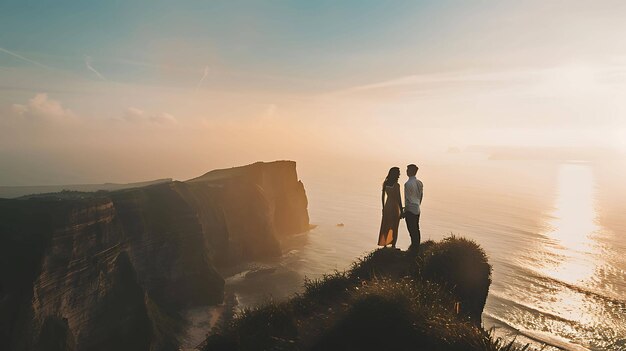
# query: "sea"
{"points": [[554, 232]]}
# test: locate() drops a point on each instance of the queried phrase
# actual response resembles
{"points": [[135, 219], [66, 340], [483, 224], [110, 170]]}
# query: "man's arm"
{"points": [[407, 194], [421, 192]]}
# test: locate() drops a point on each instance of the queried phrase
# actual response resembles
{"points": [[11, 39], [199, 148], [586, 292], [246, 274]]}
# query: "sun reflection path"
{"points": [[573, 226]]}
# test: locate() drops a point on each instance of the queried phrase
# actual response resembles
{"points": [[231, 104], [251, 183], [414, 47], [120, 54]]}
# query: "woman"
{"points": [[392, 209]]}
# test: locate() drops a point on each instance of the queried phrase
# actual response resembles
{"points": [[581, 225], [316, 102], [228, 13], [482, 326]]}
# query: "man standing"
{"points": [[413, 193]]}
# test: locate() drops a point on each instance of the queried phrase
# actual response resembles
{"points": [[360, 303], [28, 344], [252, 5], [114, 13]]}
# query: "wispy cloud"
{"points": [[136, 115], [446, 79], [205, 73], [147, 64], [88, 61], [43, 108], [566, 80], [24, 58]]}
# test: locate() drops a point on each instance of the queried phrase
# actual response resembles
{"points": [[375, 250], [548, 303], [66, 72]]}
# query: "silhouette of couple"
{"points": [[393, 210]]}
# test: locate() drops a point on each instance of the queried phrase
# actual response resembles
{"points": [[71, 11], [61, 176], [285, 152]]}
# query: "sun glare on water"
{"points": [[569, 242], [574, 216]]}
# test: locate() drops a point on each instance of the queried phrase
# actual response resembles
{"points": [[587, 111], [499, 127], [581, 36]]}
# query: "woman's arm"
{"points": [[382, 198]]}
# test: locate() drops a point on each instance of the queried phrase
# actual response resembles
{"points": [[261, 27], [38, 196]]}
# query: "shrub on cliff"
{"points": [[461, 266]]}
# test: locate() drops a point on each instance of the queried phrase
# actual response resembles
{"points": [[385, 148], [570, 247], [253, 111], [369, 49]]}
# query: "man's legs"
{"points": [[418, 234], [413, 226]]}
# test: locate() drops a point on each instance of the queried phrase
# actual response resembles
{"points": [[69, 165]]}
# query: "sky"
{"points": [[121, 91]]}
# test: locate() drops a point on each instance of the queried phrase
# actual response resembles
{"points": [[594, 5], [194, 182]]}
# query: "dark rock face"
{"points": [[55, 335], [110, 270], [119, 318]]}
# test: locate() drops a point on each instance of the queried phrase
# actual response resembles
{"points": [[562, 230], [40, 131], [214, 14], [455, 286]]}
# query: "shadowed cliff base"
{"points": [[426, 299]]}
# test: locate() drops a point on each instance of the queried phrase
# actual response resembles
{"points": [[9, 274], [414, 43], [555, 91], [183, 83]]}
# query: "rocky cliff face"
{"points": [[251, 206], [110, 270]]}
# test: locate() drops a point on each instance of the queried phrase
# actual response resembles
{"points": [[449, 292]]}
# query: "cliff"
{"points": [[430, 299], [111, 270], [260, 203]]}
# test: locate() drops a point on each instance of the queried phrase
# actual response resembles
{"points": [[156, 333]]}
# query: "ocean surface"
{"points": [[555, 234]]}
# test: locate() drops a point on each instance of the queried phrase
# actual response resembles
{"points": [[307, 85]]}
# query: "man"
{"points": [[413, 193]]}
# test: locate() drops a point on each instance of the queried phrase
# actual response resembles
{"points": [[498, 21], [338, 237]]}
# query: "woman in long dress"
{"points": [[392, 209]]}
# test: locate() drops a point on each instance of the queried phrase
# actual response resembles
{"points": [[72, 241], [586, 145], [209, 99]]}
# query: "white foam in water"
{"points": [[552, 340], [540, 337]]}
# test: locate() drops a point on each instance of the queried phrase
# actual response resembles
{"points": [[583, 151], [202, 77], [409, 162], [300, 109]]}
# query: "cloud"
{"points": [[24, 58], [136, 115], [205, 73], [573, 79], [42, 108], [448, 81], [88, 61]]}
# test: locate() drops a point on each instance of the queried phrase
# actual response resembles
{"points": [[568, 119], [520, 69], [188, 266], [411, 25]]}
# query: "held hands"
{"points": [[402, 212]]}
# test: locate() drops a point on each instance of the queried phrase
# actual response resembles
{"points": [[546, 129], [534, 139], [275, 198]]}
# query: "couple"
{"points": [[393, 210]]}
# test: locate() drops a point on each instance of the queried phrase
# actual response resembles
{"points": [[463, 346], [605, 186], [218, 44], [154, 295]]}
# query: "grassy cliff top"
{"points": [[426, 299]]}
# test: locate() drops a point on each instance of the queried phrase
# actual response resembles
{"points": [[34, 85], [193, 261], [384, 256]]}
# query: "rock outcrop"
{"points": [[111, 270]]}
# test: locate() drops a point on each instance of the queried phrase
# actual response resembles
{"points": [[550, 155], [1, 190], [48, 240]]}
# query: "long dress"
{"points": [[391, 216]]}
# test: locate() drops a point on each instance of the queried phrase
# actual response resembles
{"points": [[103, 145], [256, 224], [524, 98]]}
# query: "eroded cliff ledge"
{"points": [[110, 270]]}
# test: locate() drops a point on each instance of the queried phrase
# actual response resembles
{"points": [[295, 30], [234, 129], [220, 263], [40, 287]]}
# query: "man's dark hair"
{"points": [[411, 170]]}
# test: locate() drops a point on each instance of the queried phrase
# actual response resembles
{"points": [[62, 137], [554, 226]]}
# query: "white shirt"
{"points": [[413, 192]]}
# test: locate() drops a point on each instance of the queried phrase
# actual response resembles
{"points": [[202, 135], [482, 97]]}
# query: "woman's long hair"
{"points": [[392, 177]]}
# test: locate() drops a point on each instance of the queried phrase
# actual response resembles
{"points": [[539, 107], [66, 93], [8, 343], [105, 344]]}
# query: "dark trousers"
{"points": [[413, 225]]}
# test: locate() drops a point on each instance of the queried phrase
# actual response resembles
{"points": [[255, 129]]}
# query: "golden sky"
{"points": [[126, 92]]}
